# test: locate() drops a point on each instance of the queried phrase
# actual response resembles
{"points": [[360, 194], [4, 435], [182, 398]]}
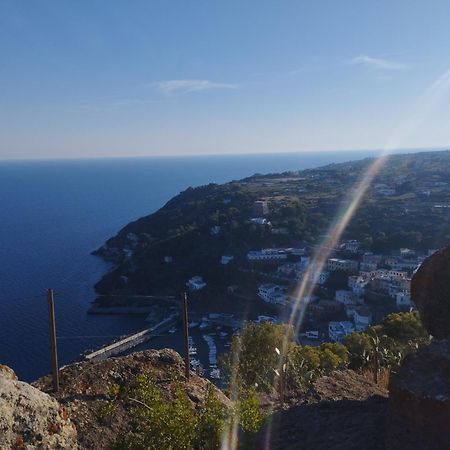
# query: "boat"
{"points": [[215, 374]]}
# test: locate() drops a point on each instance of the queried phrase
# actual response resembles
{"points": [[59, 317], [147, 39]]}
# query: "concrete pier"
{"points": [[118, 347]]}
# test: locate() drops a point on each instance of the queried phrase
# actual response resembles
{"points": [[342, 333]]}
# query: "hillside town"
{"points": [[354, 288]]}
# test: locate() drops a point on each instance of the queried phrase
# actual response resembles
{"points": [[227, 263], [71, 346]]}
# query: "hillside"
{"points": [[406, 206]]}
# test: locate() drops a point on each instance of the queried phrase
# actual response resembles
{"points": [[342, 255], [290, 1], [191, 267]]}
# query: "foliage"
{"points": [[251, 416], [210, 422], [253, 356], [177, 425], [404, 327]]}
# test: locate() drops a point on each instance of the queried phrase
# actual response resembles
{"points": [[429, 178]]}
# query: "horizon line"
{"points": [[231, 154]]}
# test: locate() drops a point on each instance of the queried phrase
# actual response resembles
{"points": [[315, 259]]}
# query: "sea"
{"points": [[54, 213]]}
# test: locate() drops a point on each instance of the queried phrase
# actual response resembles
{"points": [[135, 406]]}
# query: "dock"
{"points": [[122, 345]]}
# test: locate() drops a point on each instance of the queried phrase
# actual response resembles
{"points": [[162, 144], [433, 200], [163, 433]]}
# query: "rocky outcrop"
{"points": [[85, 391], [341, 411], [31, 419], [419, 399], [430, 290]]}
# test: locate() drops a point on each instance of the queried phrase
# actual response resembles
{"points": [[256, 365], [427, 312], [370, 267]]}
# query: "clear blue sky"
{"points": [[114, 78]]}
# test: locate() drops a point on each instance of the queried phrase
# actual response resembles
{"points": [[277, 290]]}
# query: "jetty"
{"points": [[132, 340]]}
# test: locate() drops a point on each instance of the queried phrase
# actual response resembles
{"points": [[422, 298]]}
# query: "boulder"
{"points": [[31, 419], [419, 401], [430, 291]]}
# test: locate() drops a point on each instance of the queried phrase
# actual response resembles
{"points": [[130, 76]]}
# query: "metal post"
{"points": [[185, 334], [52, 333]]}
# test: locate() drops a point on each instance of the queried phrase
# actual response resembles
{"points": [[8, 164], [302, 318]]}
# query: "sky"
{"points": [[94, 78]]}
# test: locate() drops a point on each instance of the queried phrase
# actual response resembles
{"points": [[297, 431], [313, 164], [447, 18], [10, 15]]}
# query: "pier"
{"points": [[122, 345]]}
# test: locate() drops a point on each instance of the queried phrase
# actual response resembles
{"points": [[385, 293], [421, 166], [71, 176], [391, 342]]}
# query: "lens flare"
{"points": [[431, 97]]}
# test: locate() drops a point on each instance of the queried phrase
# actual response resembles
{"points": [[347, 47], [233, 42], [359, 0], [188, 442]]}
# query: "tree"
{"points": [[252, 358], [404, 327]]}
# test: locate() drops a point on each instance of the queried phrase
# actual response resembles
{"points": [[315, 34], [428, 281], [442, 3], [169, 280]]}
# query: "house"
{"points": [[267, 254], [407, 252], [272, 293], [225, 259], [403, 299], [321, 277], [346, 265], [338, 330], [215, 230], [289, 269], [195, 283], [368, 266], [396, 274], [259, 221], [324, 308], [352, 246], [260, 208], [357, 284], [345, 297], [391, 261], [362, 318], [296, 251], [371, 258]]}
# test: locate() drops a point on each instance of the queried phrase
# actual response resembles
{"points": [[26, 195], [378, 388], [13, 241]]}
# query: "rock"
{"points": [[419, 401], [7, 372], [30, 419], [343, 411], [85, 391], [430, 291]]}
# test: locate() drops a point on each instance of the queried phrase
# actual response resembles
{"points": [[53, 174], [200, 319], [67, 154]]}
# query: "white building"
{"points": [[346, 265], [370, 257], [338, 330], [225, 259], [272, 293], [357, 284], [267, 254], [215, 230], [352, 246], [362, 318], [195, 283], [259, 221], [289, 268], [345, 297], [321, 278], [368, 266]]}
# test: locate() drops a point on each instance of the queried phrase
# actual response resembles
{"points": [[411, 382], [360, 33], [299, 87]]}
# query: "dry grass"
{"points": [[383, 377]]}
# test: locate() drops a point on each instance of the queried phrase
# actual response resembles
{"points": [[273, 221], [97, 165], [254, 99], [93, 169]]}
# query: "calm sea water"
{"points": [[54, 213]]}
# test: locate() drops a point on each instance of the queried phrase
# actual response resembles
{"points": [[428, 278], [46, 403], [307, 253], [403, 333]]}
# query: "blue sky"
{"points": [[115, 78]]}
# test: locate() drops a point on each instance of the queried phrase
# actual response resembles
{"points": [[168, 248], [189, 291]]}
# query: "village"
{"points": [[353, 288]]}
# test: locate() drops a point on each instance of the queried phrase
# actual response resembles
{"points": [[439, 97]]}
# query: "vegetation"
{"points": [[254, 362], [302, 205], [177, 425]]}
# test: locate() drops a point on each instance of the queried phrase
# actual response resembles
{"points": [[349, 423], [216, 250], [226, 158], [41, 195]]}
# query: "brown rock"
{"points": [[343, 411], [419, 401], [430, 291], [85, 392]]}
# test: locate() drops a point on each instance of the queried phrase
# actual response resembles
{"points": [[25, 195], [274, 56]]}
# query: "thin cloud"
{"points": [[185, 86], [377, 63]]}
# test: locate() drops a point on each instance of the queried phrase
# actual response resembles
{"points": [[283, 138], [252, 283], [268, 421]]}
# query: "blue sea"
{"points": [[54, 213]]}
